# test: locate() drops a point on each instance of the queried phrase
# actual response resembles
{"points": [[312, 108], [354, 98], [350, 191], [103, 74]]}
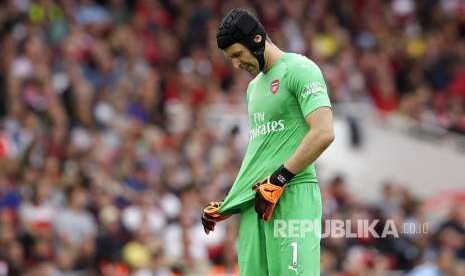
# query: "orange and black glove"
{"points": [[269, 191], [211, 216]]}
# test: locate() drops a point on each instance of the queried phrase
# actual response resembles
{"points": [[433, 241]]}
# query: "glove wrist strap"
{"points": [[281, 176]]}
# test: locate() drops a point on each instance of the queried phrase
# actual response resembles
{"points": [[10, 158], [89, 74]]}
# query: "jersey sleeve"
{"points": [[307, 83]]}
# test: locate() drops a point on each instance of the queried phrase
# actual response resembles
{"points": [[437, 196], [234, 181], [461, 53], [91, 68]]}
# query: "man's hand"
{"points": [[211, 216], [266, 198], [269, 191]]}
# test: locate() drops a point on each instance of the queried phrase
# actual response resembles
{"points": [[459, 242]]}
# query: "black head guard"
{"points": [[240, 26]]}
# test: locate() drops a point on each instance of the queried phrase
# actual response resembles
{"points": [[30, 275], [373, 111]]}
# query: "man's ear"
{"points": [[258, 38]]}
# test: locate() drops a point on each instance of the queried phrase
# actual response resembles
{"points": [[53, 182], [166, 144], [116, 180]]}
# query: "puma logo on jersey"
{"points": [[293, 269]]}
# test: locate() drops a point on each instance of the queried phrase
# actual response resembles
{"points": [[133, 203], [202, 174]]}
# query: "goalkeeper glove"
{"points": [[269, 191], [211, 216]]}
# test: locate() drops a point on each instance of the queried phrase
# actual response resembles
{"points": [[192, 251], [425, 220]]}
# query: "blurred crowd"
{"points": [[419, 243], [120, 119]]}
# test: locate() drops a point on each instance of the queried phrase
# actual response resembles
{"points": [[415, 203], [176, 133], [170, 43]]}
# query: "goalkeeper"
{"points": [[290, 121]]}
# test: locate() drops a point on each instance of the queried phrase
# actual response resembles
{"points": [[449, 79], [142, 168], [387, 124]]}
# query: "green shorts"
{"points": [[288, 244]]}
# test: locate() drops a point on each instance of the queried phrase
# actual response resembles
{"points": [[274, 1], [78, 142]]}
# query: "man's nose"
{"points": [[236, 63]]}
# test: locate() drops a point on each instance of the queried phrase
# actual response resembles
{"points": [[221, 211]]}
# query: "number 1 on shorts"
{"points": [[293, 265]]}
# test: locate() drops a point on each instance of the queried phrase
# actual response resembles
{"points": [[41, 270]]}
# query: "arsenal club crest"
{"points": [[274, 87]]}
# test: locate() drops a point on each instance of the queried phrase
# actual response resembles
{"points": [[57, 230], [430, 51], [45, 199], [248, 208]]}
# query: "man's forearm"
{"points": [[313, 144]]}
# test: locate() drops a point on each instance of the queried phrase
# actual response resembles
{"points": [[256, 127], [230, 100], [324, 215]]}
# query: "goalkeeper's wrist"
{"points": [[281, 176]]}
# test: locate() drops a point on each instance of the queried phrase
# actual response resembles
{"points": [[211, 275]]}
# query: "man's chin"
{"points": [[253, 72]]}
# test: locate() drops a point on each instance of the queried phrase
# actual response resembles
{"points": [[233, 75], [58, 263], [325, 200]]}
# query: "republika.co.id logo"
{"points": [[338, 228]]}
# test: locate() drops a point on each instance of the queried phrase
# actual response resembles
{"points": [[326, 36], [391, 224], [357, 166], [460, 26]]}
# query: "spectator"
{"points": [[76, 229]]}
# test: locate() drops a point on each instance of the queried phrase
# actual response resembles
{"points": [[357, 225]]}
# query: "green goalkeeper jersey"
{"points": [[277, 102]]}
